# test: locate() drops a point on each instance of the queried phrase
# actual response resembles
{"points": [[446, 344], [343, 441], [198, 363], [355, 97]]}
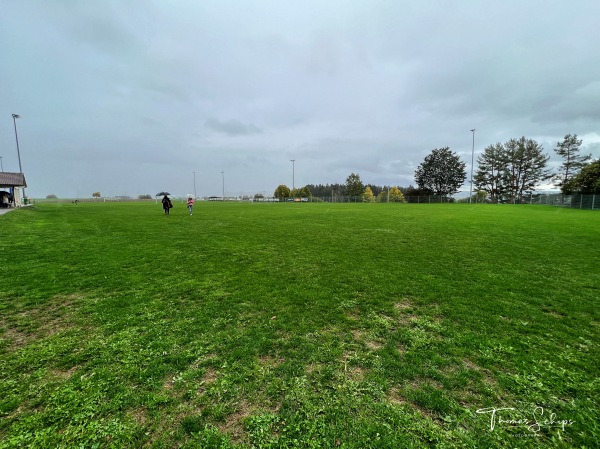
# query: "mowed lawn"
{"points": [[299, 326]]}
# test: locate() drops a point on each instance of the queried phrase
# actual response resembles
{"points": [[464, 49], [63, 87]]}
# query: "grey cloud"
{"points": [[231, 127], [341, 86]]}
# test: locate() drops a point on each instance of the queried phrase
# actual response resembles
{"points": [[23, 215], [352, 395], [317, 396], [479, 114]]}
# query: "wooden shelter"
{"points": [[12, 186]]}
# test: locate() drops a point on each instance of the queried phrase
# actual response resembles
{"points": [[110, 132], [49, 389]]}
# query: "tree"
{"points": [[354, 186], [368, 196], [51, 196], [573, 162], [586, 181], [96, 195], [304, 192], [145, 197], [326, 190], [525, 167], [508, 170], [375, 189], [491, 167], [480, 196], [391, 195], [441, 173], [396, 195], [282, 192]]}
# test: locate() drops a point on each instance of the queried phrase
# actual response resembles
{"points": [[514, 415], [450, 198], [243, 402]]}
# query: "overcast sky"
{"points": [[131, 97]]}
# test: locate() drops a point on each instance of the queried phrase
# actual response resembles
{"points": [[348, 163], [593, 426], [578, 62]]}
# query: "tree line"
{"points": [[506, 172]]}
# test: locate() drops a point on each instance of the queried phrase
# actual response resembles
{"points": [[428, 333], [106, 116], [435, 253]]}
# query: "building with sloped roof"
{"points": [[12, 189]]}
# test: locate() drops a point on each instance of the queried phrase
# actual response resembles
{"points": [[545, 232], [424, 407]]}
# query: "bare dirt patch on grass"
{"points": [[403, 305], [234, 423], [63, 374], [270, 361], [398, 398], [55, 316], [373, 344]]}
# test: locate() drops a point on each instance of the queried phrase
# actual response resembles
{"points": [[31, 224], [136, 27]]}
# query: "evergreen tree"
{"points": [[573, 162], [586, 181], [526, 167], [491, 167]]}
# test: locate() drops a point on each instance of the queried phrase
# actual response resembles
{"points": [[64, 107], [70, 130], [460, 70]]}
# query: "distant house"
{"points": [[12, 186]]}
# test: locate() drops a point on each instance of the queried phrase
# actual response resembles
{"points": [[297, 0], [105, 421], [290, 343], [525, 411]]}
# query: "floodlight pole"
{"points": [[223, 176], [1, 165], [15, 117], [195, 196], [472, 162], [293, 173]]}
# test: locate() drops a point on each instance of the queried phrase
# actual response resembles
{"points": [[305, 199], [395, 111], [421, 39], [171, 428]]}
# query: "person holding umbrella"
{"points": [[166, 204]]}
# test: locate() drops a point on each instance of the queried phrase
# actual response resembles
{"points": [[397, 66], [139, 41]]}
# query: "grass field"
{"points": [[299, 326]]}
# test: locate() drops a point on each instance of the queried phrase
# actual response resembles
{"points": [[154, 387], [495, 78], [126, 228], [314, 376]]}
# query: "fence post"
{"points": [[593, 200]]}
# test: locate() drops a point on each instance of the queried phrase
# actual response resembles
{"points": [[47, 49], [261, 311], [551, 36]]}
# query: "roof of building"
{"points": [[8, 179]]}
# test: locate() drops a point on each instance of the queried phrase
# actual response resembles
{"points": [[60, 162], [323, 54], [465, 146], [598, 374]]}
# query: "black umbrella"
{"points": [[162, 193]]}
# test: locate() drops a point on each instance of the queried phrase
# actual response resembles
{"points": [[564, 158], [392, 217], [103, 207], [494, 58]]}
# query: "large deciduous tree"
{"points": [[354, 186], [304, 192], [392, 195], [282, 192], [441, 173], [396, 195], [368, 196], [573, 162]]}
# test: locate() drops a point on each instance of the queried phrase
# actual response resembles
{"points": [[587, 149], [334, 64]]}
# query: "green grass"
{"points": [[298, 326]]}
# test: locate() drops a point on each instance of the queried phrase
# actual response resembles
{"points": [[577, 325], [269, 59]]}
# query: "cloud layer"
{"points": [[127, 98]]}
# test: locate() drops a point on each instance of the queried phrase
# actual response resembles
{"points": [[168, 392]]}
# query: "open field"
{"points": [[299, 325]]}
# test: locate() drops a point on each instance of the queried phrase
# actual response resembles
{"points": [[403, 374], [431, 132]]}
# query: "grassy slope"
{"points": [[297, 325]]}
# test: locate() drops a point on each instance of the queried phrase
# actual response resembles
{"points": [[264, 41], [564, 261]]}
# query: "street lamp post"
{"points": [[15, 117], [223, 175], [293, 173], [472, 162]]}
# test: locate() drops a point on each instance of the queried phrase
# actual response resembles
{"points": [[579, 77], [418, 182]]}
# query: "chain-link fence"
{"points": [[577, 201], [359, 199]]}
